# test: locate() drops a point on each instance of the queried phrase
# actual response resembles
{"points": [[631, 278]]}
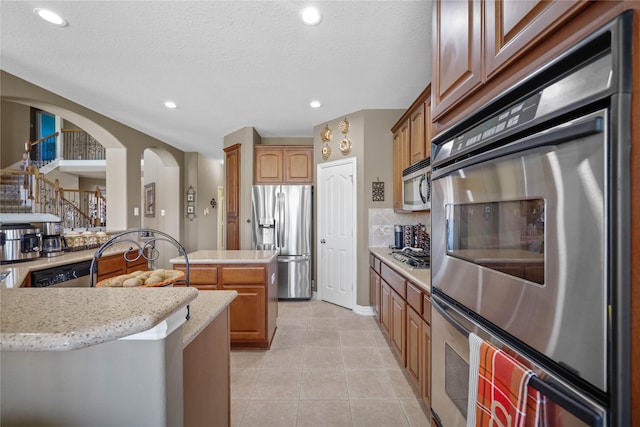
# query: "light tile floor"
{"points": [[327, 367]]}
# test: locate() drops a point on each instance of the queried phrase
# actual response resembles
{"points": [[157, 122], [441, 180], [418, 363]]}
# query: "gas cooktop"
{"points": [[412, 257]]}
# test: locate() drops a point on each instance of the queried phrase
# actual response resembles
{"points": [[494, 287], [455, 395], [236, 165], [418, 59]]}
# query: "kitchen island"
{"points": [[103, 356], [254, 276]]}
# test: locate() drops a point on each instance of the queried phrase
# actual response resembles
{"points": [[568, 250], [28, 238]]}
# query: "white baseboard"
{"points": [[363, 310]]}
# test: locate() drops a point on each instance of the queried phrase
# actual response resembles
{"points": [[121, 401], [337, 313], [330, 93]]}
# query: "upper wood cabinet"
{"points": [[468, 51], [283, 164], [411, 141]]}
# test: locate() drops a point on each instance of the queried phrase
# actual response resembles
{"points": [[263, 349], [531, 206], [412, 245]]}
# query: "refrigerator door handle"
{"points": [[281, 219], [295, 258]]}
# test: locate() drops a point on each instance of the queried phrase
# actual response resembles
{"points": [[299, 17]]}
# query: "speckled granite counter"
{"points": [[419, 276], [18, 272], [226, 257], [203, 310], [60, 319]]}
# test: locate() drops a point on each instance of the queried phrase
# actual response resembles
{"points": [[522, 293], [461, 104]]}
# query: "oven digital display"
{"points": [[505, 236]]}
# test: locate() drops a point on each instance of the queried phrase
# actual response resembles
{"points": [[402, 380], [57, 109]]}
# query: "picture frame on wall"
{"points": [[191, 210], [150, 200]]}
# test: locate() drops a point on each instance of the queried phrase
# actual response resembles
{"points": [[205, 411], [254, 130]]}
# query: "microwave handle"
{"points": [[423, 181]]}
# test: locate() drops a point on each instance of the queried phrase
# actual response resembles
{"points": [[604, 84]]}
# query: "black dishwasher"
{"points": [[74, 275]]}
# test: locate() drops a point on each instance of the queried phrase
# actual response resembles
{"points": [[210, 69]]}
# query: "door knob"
{"points": [[323, 241]]}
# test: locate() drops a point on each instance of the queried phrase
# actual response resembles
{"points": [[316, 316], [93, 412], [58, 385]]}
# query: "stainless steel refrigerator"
{"points": [[282, 220]]}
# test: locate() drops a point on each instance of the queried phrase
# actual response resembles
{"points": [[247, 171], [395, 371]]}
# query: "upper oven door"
{"points": [[519, 237]]}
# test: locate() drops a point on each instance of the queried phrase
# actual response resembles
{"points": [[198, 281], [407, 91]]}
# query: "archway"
{"points": [[116, 180], [160, 179]]}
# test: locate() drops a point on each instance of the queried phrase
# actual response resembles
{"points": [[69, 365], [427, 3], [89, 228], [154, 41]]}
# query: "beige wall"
{"points": [[372, 145], [205, 175], [124, 146], [287, 141], [14, 120]]}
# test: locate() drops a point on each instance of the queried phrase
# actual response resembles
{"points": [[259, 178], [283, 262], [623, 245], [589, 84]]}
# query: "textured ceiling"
{"points": [[227, 64]]}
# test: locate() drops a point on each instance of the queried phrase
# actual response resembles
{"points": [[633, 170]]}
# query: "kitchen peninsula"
{"points": [[105, 356], [254, 276]]}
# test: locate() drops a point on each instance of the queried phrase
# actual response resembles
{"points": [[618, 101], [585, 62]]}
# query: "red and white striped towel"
{"points": [[499, 391]]}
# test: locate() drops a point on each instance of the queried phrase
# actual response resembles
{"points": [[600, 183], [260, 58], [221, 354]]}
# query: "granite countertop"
{"points": [[203, 310], [226, 257], [16, 273], [418, 276], [61, 319]]}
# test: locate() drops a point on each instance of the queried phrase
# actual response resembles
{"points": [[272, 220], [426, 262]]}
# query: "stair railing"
{"points": [[37, 194], [42, 151]]}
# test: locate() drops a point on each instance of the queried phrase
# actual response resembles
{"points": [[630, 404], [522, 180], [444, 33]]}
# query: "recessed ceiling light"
{"points": [[170, 104], [50, 17], [310, 16], [315, 104]]}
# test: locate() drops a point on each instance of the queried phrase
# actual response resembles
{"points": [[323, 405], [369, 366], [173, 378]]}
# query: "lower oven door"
{"points": [[450, 327]]}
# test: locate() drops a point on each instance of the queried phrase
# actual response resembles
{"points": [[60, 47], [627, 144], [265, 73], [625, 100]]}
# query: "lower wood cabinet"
{"points": [[425, 358], [414, 350], [254, 311], [385, 306], [114, 265], [403, 310], [398, 329]]}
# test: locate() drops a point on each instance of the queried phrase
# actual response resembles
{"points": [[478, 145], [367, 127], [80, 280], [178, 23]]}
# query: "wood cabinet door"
{"points": [[247, 313], [398, 327], [417, 145], [298, 165], [397, 172], [427, 127], [457, 52], [110, 266], [425, 358], [512, 26], [401, 161], [374, 292], [268, 167], [233, 233], [385, 306], [414, 346], [232, 195]]}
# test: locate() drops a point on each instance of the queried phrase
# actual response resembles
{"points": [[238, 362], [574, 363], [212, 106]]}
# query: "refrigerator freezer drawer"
{"points": [[294, 277]]}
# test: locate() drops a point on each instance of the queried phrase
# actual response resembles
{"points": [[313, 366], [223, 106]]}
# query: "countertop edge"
{"points": [[203, 310], [419, 277], [225, 257], [61, 339]]}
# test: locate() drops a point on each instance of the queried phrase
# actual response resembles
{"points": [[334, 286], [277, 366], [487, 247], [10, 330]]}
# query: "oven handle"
{"points": [[550, 391], [553, 137]]}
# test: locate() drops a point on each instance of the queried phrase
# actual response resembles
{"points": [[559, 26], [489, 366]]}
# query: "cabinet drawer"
{"points": [[205, 275], [395, 280], [243, 275], [426, 308], [111, 264], [376, 265], [414, 297]]}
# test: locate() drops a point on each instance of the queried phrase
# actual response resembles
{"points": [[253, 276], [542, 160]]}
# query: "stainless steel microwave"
{"points": [[416, 186]]}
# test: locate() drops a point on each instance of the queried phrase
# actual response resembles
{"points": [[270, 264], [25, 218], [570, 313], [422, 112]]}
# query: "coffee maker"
{"points": [[53, 242]]}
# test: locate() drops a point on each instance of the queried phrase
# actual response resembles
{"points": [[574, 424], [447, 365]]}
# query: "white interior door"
{"points": [[336, 241]]}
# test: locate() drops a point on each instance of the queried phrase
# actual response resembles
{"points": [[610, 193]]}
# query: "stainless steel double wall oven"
{"points": [[530, 248]]}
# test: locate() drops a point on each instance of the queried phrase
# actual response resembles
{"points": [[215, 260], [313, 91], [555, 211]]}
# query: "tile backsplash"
{"points": [[381, 222]]}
